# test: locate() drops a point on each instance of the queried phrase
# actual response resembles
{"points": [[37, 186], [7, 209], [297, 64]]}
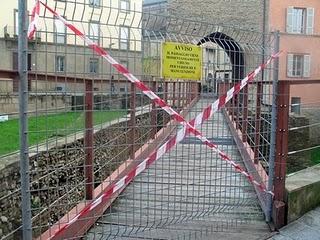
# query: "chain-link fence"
{"points": [[88, 128]]}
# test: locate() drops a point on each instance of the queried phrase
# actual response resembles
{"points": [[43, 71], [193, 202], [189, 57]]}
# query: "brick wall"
{"points": [[60, 170]]}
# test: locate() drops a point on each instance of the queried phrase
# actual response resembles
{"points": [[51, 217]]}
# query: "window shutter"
{"points": [[290, 19], [290, 65], [310, 20], [306, 65]]}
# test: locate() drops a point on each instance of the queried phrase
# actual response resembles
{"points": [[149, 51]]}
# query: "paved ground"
{"points": [[305, 228], [187, 194]]}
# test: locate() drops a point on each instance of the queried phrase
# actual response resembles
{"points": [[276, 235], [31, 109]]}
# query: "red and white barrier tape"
{"points": [[201, 118], [206, 114], [188, 127], [35, 15]]}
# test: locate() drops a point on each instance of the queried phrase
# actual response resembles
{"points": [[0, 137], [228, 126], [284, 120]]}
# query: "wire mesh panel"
{"points": [[303, 144], [89, 128], [186, 194]]}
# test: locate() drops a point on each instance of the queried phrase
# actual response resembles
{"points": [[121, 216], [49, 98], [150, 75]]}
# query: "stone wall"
{"points": [[303, 192], [246, 14], [57, 175], [303, 138], [9, 103], [298, 139]]}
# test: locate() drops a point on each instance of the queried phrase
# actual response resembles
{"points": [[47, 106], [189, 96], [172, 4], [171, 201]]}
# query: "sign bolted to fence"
{"points": [[181, 61]]}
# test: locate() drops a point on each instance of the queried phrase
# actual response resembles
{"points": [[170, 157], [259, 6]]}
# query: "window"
{"points": [[94, 31], [124, 38], [124, 63], [124, 5], [300, 20], [298, 65], [16, 21], [38, 34], [94, 65], [94, 3], [15, 61], [113, 88], [60, 31], [295, 105], [298, 23], [60, 64]]}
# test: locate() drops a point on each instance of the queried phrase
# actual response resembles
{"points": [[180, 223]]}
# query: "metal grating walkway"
{"points": [[188, 194]]}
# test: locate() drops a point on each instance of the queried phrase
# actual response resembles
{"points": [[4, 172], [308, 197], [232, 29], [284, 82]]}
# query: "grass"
{"points": [[315, 156], [303, 160], [49, 126]]}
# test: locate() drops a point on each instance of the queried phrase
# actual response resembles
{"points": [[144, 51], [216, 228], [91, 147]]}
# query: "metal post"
{"points": [[194, 86], [23, 122], [166, 91], [281, 154], [174, 94], [154, 112], [182, 94], [188, 92], [245, 115], [191, 92], [229, 104], [257, 122], [273, 129], [132, 120], [179, 95], [233, 105], [184, 90], [88, 140], [237, 113]]}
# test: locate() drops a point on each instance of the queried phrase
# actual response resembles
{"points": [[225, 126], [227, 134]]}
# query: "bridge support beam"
{"points": [[245, 114], [78, 228], [132, 122], [154, 112], [281, 154], [258, 122], [88, 139]]}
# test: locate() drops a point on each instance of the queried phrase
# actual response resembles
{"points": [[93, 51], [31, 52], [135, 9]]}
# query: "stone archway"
{"points": [[233, 50]]}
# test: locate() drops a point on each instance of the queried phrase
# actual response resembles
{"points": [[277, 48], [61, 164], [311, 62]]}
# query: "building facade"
{"points": [[296, 20], [114, 25], [216, 63], [299, 28], [248, 14]]}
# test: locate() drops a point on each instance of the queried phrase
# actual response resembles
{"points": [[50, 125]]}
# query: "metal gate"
{"points": [[101, 160]]}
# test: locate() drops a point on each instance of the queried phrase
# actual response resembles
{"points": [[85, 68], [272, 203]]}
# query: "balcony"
{"points": [[10, 33]]}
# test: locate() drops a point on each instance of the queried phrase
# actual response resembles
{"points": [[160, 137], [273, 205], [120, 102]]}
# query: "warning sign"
{"points": [[181, 61]]}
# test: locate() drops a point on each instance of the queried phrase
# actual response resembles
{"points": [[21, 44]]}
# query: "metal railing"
{"points": [[84, 141]]}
